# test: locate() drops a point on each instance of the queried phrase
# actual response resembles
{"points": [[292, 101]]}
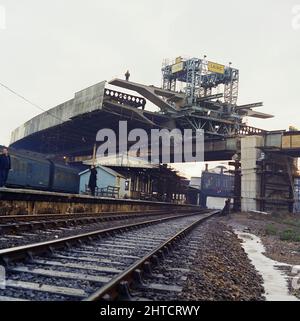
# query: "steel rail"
{"points": [[34, 225], [120, 284], [28, 251]]}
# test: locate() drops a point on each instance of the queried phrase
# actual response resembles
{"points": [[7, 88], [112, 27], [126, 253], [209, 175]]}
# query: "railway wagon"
{"points": [[36, 171], [64, 178], [28, 172]]}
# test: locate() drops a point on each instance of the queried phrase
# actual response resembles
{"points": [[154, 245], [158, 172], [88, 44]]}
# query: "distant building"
{"points": [[105, 177], [138, 180]]}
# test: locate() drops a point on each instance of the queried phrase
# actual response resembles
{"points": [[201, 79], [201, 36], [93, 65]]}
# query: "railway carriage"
{"points": [[36, 171]]}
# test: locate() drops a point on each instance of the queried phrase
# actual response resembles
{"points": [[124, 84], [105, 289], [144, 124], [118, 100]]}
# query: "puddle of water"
{"points": [[275, 283]]}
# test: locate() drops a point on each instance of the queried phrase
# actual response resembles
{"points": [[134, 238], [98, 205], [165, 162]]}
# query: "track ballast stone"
{"points": [[222, 270]]}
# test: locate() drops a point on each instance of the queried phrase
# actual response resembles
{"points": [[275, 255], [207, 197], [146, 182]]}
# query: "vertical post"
{"points": [[237, 185], [94, 154], [263, 178]]}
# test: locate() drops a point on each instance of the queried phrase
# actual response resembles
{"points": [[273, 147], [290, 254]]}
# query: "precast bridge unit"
{"points": [[195, 94], [69, 129]]}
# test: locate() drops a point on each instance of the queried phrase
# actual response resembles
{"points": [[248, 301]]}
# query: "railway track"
{"points": [[32, 222], [15, 233], [97, 265]]}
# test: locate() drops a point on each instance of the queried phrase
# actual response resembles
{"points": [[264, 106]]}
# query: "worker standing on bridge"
{"points": [[127, 75], [5, 166], [93, 180]]}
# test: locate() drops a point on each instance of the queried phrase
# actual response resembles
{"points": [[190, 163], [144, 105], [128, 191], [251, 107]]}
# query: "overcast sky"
{"points": [[51, 49]]}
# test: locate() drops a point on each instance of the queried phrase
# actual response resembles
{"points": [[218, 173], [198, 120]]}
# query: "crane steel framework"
{"points": [[201, 77], [211, 92]]}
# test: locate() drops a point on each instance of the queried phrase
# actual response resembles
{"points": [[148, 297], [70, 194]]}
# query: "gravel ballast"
{"points": [[222, 270]]}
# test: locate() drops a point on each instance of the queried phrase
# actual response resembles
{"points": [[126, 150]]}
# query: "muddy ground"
{"points": [[279, 233]]}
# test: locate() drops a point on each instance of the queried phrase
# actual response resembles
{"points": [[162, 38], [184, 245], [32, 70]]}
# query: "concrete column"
{"points": [[250, 180]]}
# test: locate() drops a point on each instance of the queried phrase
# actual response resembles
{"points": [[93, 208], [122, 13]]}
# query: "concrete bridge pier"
{"points": [[267, 177]]}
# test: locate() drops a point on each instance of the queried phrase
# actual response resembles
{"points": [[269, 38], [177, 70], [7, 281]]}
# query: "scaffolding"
{"points": [[201, 77]]}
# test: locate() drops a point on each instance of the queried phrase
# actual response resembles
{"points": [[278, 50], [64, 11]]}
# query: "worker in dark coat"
{"points": [[127, 75], [226, 209], [5, 166], [93, 180]]}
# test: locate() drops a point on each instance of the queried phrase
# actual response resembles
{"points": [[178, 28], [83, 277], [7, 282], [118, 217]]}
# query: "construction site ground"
{"points": [[279, 233]]}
